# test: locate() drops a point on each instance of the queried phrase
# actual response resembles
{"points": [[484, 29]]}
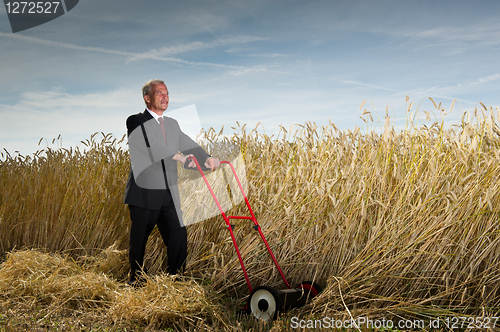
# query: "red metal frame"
{"points": [[230, 228]]}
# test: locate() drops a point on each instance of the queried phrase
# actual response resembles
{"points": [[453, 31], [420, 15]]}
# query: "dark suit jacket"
{"points": [[153, 173]]}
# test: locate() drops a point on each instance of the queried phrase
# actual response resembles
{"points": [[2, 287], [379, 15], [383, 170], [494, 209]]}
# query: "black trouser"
{"points": [[173, 234]]}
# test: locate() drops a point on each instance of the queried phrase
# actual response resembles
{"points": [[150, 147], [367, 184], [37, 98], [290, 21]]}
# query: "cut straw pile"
{"points": [[55, 285]]}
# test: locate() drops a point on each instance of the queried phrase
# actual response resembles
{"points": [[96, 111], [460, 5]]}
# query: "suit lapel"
{"points": [[170, 131], [147, 115]]}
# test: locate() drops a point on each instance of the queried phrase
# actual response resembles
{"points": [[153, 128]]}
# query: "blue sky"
{"points": [[273, 62]]}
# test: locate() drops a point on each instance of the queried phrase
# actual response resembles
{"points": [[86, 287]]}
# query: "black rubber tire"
{"points": [[314, 288], [265, 303]]}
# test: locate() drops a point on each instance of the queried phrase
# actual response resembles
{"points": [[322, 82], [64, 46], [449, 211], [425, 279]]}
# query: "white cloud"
{"points": [[481, 80], [52, 113], [63, 45], [204, 20], [160, 55], [195, 46], [250, 52], [456, 40]]}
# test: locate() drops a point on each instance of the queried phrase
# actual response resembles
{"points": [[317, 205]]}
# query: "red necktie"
{"points": [[160, 119]]}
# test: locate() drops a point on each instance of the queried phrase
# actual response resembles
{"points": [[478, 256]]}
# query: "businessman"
{"points": [[156, 146]]}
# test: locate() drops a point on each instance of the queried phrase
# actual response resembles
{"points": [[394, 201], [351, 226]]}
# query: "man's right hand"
{"points": [[183, 159]]}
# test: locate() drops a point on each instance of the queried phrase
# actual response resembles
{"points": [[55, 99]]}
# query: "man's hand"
{"points": [[212, 163], [182, 159]]}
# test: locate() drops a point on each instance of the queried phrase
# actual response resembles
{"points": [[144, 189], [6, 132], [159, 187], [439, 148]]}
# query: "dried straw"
{"points": [[54, 284]]}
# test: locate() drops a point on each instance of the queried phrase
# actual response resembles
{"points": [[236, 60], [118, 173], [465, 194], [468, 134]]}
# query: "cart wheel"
{"points": [[313, 288], [264, 303]]}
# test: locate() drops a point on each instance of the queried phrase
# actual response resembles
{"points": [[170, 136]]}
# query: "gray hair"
{"points": [[146, 89]]}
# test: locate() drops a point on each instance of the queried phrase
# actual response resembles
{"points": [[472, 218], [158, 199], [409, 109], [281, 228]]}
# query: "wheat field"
{"points": [[392, 223]]}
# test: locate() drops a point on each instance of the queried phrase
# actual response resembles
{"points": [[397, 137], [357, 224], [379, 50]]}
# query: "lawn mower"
{"points": [[264, 302]]}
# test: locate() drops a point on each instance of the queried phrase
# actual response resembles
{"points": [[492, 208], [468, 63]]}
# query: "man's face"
{"points": [[157, 100]]}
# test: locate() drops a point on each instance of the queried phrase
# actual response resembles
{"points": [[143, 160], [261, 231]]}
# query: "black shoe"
{"points": [[138, 283], [135, 281]]}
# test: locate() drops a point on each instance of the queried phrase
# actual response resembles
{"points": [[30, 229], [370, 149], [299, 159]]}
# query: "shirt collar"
{"points": [[153, 114]]}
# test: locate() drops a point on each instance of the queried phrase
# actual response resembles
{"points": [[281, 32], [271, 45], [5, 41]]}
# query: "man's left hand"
{"points": [[212, 163]]}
